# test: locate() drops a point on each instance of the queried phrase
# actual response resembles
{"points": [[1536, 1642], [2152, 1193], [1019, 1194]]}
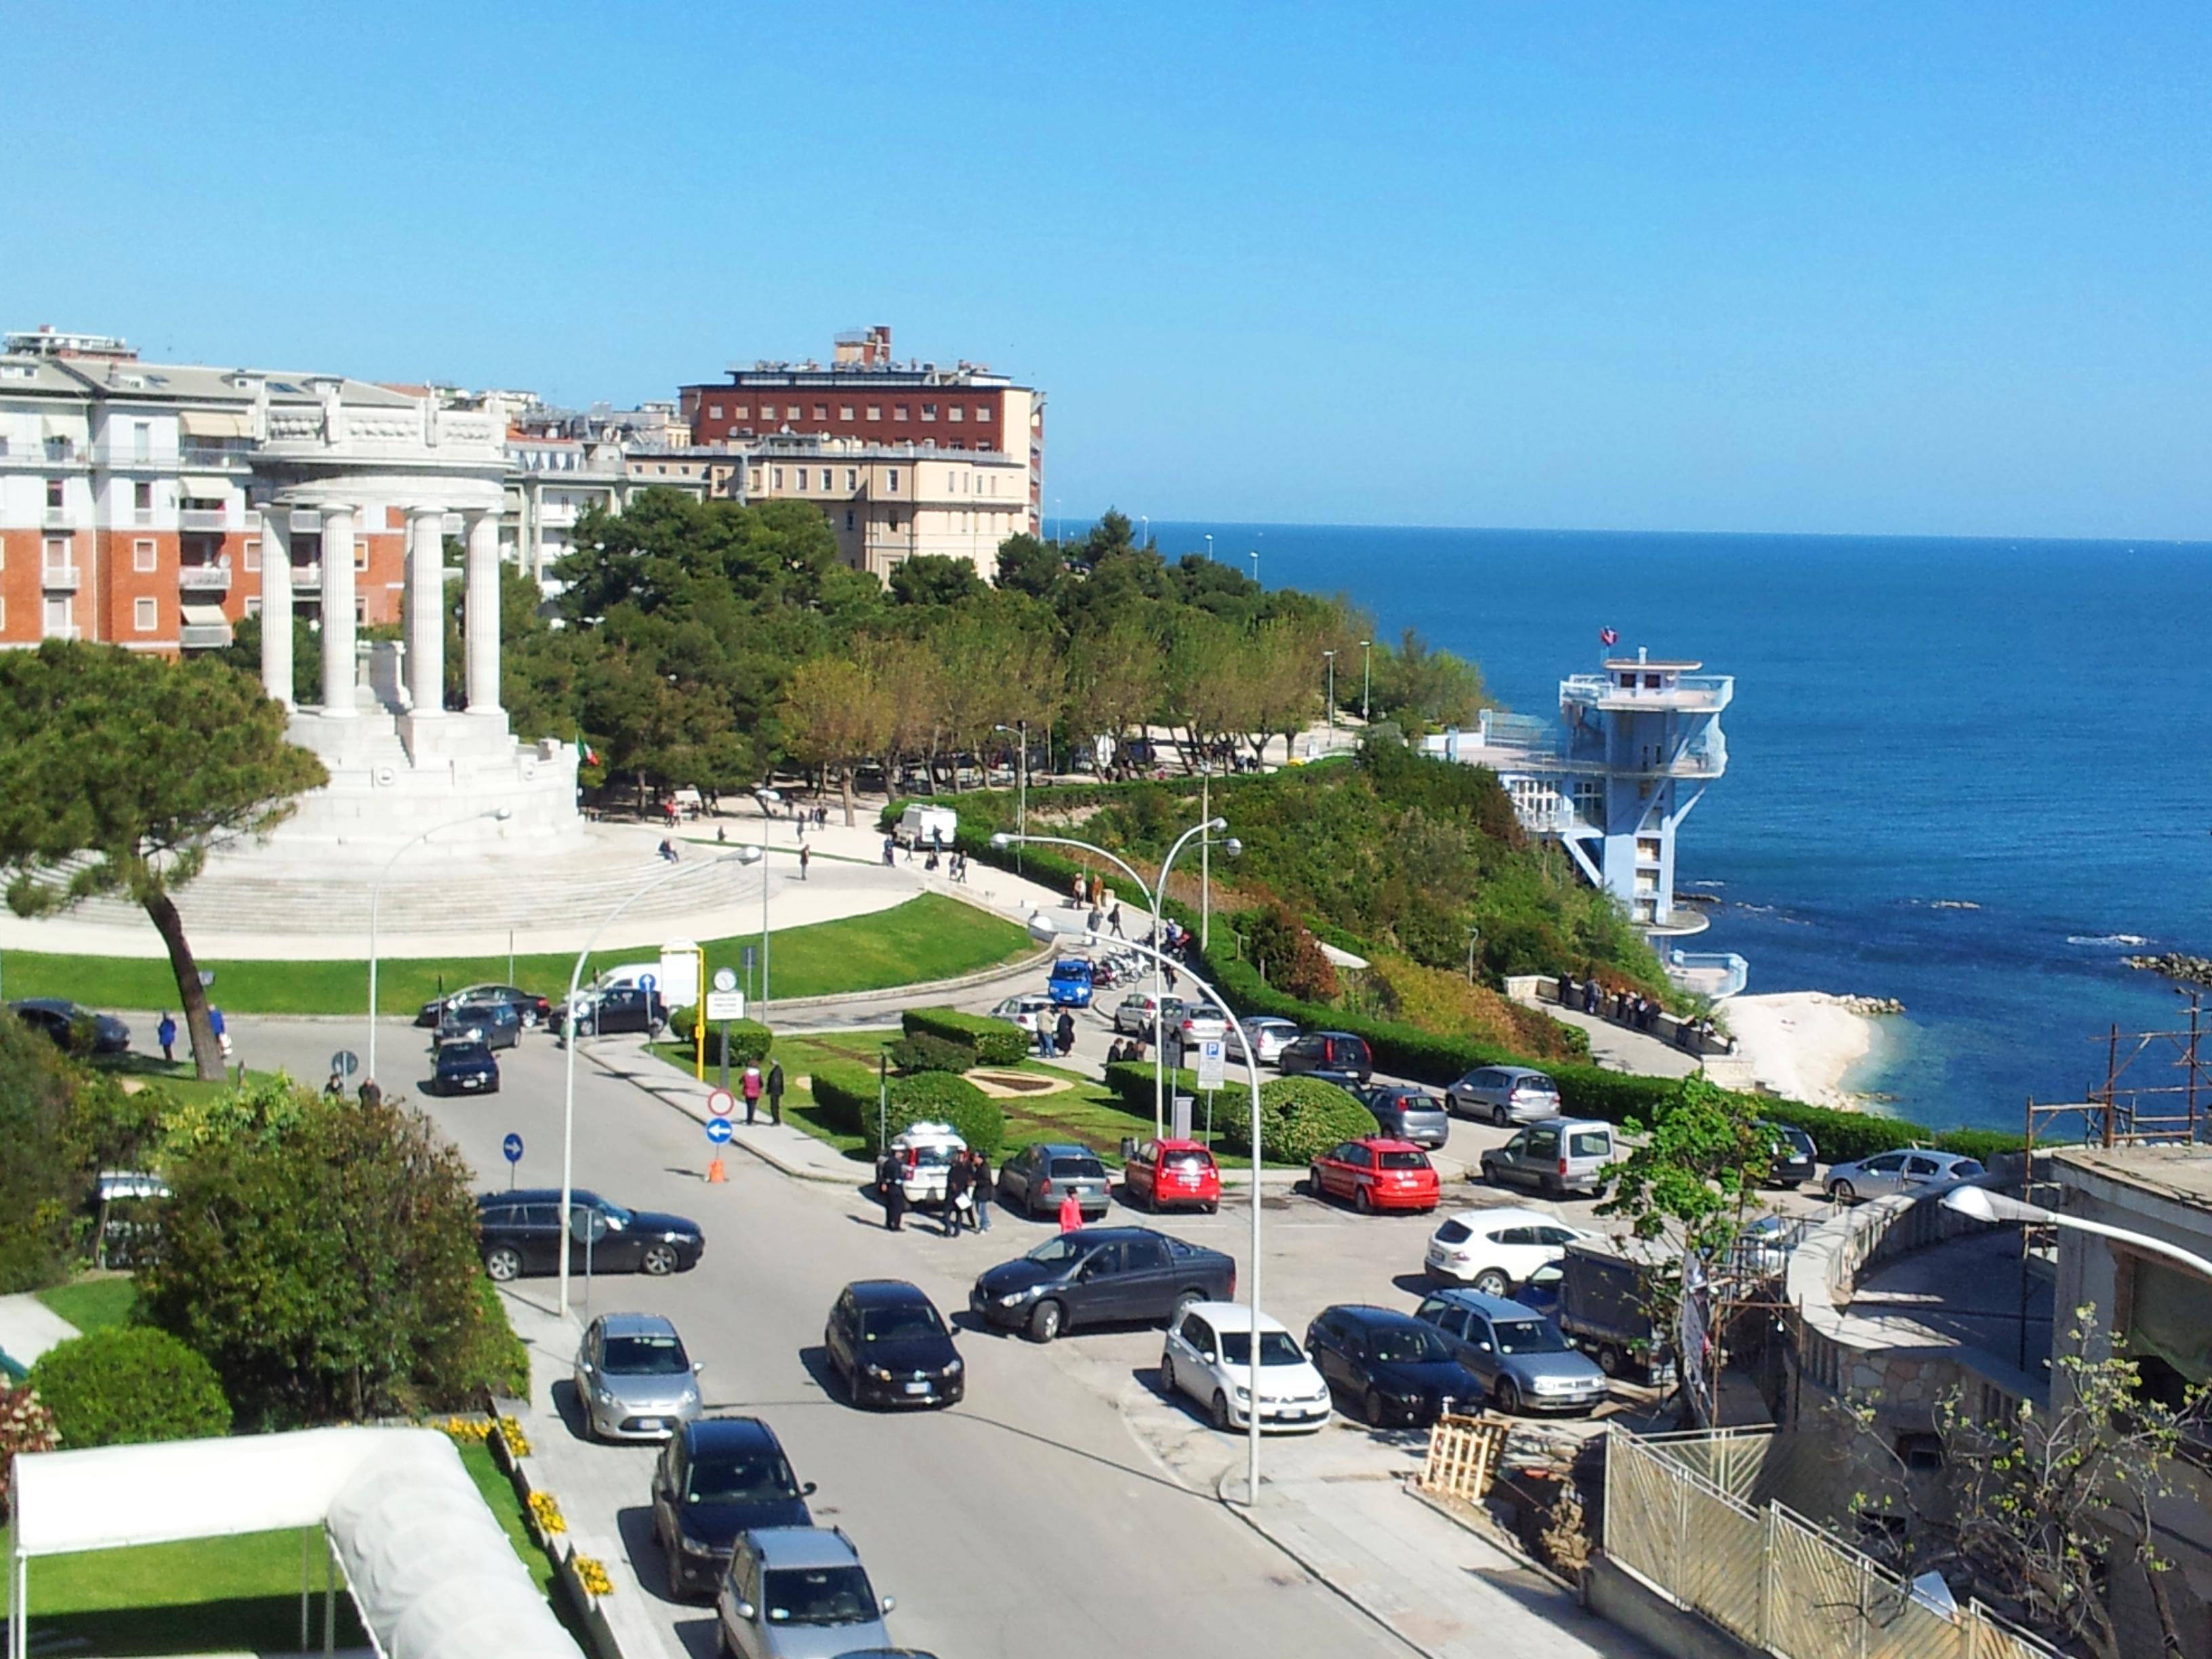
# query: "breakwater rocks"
{"points": [[2190, 971], [1871, 1005]]}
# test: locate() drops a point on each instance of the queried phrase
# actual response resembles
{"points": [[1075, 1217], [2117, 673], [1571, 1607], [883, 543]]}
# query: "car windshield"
{"points": [[644, 1356], [820, 1595], [1535, 1085], [1401, 1160], [900, 1322], [464, 1052], [750, 1478], [1409, 1345], [1528, 1336], [1276, 1348], [1058, 1252], [617, 1216], [1191, 1159], [1077, 1169]]}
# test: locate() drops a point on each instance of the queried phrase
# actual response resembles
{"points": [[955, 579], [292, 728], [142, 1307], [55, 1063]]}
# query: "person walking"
{"points": [[371, 1095], [891, 852], [165, 1035], [774, 1085], [892, 1191], [1064, 1033], [751, 1084], [1589, 996], [804, 854], [1070, 1213], [1113, 921], [221, 1033], [1566, 989], [984, 1189], [956, 1200], [1077, 890], [1097, 920]]}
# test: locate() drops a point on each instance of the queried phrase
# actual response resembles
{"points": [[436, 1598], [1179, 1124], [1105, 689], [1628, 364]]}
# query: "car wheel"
{"points": [[1508, 1395], [1500, 1116], [503, 1264], [1374, 1410], [1213, 1208], [1167, 1374], [1842, 1191], [1312, 1185], [1184, 1304], [659, 1259], [1363, 1201], [1222, 1420], [1045, 1321], [1490, 1175], [1491, 1282], [1610, 1359]]}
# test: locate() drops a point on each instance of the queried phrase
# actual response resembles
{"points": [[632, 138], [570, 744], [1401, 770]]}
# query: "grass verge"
{"points": [[94, 1302]]}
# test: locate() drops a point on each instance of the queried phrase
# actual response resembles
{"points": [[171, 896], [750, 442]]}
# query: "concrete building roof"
{"points": [[197, 383], [2178, 1175]]}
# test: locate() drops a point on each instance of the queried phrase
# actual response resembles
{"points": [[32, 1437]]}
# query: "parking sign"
{"points": [[1211, 1053]]}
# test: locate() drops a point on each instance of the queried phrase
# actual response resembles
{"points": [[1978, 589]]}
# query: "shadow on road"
{"points": [[570, 1404], [635, 1526]]}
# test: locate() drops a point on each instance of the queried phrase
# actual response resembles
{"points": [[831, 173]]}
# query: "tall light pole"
{"points": [[1473, 939], [1982, 1204], [376, 892], [1022, 810], [1209, 547], [762, 850], [1331, 657], [1145, 519], [735, 855], [1157, 896], [1366, 676], [1255, 567], [1042, 929]]}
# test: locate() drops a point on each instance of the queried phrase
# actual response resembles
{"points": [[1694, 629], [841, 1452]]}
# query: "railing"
{"points": [[203, 458], [61, 578], [203, 578], [203, 518], [1689, 691], [203, 636], [60, 518]]}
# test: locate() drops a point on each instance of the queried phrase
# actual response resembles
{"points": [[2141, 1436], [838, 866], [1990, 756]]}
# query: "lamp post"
{"points": [[1331, 657], [1473, 939], [1022, 810], [1042, 929], [1157, 896], [763, 851], [1982, 1204], [1145, 519], [1366, 677], [737, 856], [1209, 547], [1255, 567], [376, 892]]}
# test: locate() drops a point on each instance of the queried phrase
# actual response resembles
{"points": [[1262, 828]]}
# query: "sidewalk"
{"points": [[29, 1328], [1618, 1048]]}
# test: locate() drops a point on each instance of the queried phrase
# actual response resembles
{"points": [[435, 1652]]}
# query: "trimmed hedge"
{"points": [[846, 1095], [919, 1051], [992, 1041], [939, 1098], [125, 1385], [1300, 1118], [749, 1040]]}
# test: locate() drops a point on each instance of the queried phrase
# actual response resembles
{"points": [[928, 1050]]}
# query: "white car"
{"points": [[924, 1153], [1208, 1356], [1269, 1036], [1025, 1011], [1495, 1250]]}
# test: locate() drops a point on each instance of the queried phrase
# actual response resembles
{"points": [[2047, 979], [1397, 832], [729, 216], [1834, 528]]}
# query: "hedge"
{"points": [[749, 1040], [1300, 1118], [128, 1385], [993, 1042], [846, 1095], [922, 1052], [939, 1098]]}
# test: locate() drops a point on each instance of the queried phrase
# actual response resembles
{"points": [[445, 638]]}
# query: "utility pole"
{"points": [[1366, 676], [1205, 857], [1331, 656]]}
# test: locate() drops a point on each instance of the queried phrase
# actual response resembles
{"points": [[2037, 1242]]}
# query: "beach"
{"points": [[1800, 1044]]}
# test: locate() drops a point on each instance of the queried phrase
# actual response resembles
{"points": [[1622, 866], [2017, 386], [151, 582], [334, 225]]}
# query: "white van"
{"points": [[629, 975], [917, 826]]}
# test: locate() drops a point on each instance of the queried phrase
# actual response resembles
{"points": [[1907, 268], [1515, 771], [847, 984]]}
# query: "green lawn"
{"points": [[93, 1303], [928, 938]]}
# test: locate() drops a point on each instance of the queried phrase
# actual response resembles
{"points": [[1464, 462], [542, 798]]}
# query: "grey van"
{"points": [[1557, 1155]]}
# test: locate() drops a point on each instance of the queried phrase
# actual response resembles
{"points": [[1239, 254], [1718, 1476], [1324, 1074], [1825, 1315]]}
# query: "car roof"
{"points": [[883, 1292], [730, 1434], [1232, 1316], [1510, 1215], [802, 1546], [535, 1195], [1111, 1235], [1341, 1036], [636, 1324], [1167, 1145], [1386, 1143], [1518, 1071], [1491, 1307], [1062, 1149], [1271, 1019], [1367, 1314], [1569, 1123], [51, 1005]]}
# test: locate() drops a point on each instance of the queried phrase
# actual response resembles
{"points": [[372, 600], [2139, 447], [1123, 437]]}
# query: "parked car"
{"points": [[74, 1028], [1561, 1155], [1208, 1355], [530, 1008], [889, 1343], [927, 826], [1375, 1174], [1036, 1178], [1605, 1305], [1101, 1276], [1026, 1011], [717, 1477], [633, 1378], [611, 1010], [1133, 1016], [1496, 1250], [494, 1024], [1337, 1053], [924, 1153], [520, 1232], [798, 1593], [1796, 1157], [1197, 1022], [1269, 1036], [1505, 1094], [1069, 983], [1158, 1173], [1405, 1113], [464, 1068], [1523, 1359], [1907, 1171], [1398, 1369]]}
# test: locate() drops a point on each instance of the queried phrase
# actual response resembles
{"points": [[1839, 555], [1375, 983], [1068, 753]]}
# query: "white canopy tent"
{"points": [[427, 1564]]}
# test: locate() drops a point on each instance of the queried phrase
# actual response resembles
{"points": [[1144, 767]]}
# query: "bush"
{"points": [[990, 1042], [26, 1426], [845, 1094], [38, 1188], [497, 1361], [129, 1384], [939, 1097], [921, 1051], [1300, 1118], [749, 1040]]}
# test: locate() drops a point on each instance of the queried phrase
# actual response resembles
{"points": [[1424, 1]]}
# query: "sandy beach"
{"points": [[1800, 1044]]}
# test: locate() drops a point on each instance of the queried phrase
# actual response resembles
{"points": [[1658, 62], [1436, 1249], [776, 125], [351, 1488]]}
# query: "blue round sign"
{"points": [[512, 1147], [717, 1129], [647, 983]]}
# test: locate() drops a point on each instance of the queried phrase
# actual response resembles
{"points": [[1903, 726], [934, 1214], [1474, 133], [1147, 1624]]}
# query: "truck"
{"points": [[1605, 1293], [926, 826]]}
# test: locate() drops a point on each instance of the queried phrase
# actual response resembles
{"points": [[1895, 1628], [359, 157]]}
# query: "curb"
{"points": [[1499, 1539], [1315, 1573]]}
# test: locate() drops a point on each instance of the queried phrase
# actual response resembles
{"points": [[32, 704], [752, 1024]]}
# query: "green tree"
{"points": [[1027, 565], [244, 653], [1424, 689], [835, 715], [127, 1385], [41, 1185], [934, 578], [119, 772]]}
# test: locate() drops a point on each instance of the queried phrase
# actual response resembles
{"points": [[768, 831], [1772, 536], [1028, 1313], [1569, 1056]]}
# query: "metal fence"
{"points": [[1769, 1576]]}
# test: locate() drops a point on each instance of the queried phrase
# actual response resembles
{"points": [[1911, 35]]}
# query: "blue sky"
{"points": [[1878, 268]]}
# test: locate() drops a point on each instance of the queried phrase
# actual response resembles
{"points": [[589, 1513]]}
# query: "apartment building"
{"points": [[887, 503]]}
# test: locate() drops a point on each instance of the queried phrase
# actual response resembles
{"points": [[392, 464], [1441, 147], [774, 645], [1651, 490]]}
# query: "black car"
{"points": [[618, 1009], [530, 1008], [717, 1477], [890, 1344], [1338, 1055], [73, 1030], [1795, 1157], [494, 1024], [464, 1068], [520, 1233], [1101, 1276], [1396, 1368]]}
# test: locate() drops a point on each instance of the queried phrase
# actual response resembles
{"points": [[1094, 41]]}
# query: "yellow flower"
{"points": [[510, 1432], [593, 1575], [547, 1513]]}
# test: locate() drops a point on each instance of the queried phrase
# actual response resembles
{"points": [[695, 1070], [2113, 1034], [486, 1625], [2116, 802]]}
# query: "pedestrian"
{"points": [[804, 854], [983, 1189], [1097, 921], [1566, 989], [722, 836], [1044, 1039], [752, 1086], [892, 1190], [891, 852], [820, 818], [370, 1094], [1070, 1212], [1113, 921], [165, 1035], [335, 1089], [957, 1202], [1589, 996], [775, 1092], [1168, 968], [1078, 890], [800, 826], [1065, 1033], [221, 1032], [1098, 890]]}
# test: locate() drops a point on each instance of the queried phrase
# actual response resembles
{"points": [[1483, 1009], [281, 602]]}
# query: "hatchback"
{"points": [[1399, 1370], [1036, 1178], [1069, 983], [1337, 1053], [1408, 1114], [1563, 1155], [1375, 1174], [1024, 1011], [717, 1477], [1505, 1094], [1795, 1157], [1133, 1016], [1522, 1358], [1198, 1023], [1158, 1173], [1269, 1036], [798, 1593], [633, 1378], [1494, 1250], [1208, 1356], [888, 1341], [464, 1068], [1911, 1170], [494, 1024]]}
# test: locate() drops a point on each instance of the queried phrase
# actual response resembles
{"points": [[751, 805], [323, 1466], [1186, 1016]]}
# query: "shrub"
{"points": [[1300, 1118], [38, 1188], [991, 1041], [921, 1051], [496, 1360], [939, 1097], [845, 1094], [128, 1385], [26, 1426], [749, 1040]]}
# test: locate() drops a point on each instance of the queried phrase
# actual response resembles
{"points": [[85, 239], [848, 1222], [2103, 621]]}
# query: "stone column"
{"points": [[480, 616], [277, 603], [340, 672], [426, 608]]}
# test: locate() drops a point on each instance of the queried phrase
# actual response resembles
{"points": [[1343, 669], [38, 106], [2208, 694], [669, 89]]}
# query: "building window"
{"points": [[359, 611], [852, 477], [791, 411], [875, 411], [53, 492], [820, 411], [898, 411], [715, 411], [848, 518], [253, 552], [361, 555], [145, 616], [142, 441], [141, 554], [952, 411], [61, 614], [982, 411], [777, 474], [929, 411], [890, 479], [826, 484], [844, 411], [253, 605], [58, 552]]}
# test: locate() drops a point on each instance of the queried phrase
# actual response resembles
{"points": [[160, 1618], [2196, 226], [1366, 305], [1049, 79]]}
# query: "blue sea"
{"points": [[1968, 775]]}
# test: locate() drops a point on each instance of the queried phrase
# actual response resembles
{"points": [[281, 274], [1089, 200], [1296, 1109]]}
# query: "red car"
{"points": [[1163, 1172], [1376, 1173]]}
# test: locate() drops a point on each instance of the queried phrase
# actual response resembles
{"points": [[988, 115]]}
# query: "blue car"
{"points": [[1069, 984]]}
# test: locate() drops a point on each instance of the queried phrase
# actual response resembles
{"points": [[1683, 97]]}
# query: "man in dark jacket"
{"points": [[984, 1191], [891, 1188], [957, 1200], [1065, 1033], [775, 1092]]}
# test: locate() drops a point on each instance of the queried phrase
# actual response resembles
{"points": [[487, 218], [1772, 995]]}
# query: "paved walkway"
{"points": [[1618, 1048], [29, 1328]]}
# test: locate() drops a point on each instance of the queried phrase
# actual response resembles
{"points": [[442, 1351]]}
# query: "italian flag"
{"points": [[585, 754]]}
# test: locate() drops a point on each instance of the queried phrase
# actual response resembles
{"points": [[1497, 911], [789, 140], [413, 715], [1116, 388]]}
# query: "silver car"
{"points": [[1528, 1365], [1269, 1036], [798, 1593], [1505, 1094], [1909, 1170], [634, 1380]]}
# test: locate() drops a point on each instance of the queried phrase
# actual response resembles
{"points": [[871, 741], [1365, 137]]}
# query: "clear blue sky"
{"points": [[1876, 268]]}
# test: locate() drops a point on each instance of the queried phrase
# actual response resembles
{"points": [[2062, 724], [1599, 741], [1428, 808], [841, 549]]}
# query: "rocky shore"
{"points": [[2175, 965]]}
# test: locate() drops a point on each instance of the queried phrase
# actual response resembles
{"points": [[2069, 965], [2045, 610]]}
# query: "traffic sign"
{"points": [[207, 977], [1211, 1053], [345, 1063], [647, 983], [725, 1004], [725, 979], [717, 1129], [721, 1103], [512, 1147]]}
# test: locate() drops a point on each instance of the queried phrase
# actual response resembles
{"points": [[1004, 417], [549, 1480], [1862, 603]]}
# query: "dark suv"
{"points": [[520, 1233], [1336, 1053], [717, 1477], [1101, 1276]]}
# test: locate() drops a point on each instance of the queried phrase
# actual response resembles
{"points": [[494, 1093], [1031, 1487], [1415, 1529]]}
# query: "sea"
{"points": [[1968, 775]]}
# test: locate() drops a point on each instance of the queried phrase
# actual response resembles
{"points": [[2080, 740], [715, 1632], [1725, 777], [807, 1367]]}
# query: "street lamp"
{"points": [[1158, 895], [735, 855], [1145, 519], [1042, 929], [1331, 657], [376, 892], [1980, 1204], [1366, 676], [1022, 812], [1255, 567], [761, 852], [1209, 547]]}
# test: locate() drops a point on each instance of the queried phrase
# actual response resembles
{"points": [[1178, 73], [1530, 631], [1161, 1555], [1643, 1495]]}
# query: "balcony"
{"points": [[203, 518], [61, 579], [1688, 694], [203, 578], [202, 458], [60, 518], [203, 636]]}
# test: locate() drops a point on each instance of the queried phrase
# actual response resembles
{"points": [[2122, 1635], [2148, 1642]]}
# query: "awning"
{"points": [[215, 423], [205, 615], [63, 426], [200, 487]]}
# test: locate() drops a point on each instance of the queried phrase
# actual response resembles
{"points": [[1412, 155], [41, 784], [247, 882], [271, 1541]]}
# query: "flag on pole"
{"points": [[585, 754], [1607, 637]]}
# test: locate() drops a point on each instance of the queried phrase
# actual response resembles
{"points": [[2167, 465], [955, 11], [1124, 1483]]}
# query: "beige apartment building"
{"points": [[887, 503]]}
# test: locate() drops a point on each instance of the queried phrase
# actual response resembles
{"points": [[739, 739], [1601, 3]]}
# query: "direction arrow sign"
{"points": [[721, 1103], [512, 1147], [717, 1129], [647, 983], [344, 1062]]}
